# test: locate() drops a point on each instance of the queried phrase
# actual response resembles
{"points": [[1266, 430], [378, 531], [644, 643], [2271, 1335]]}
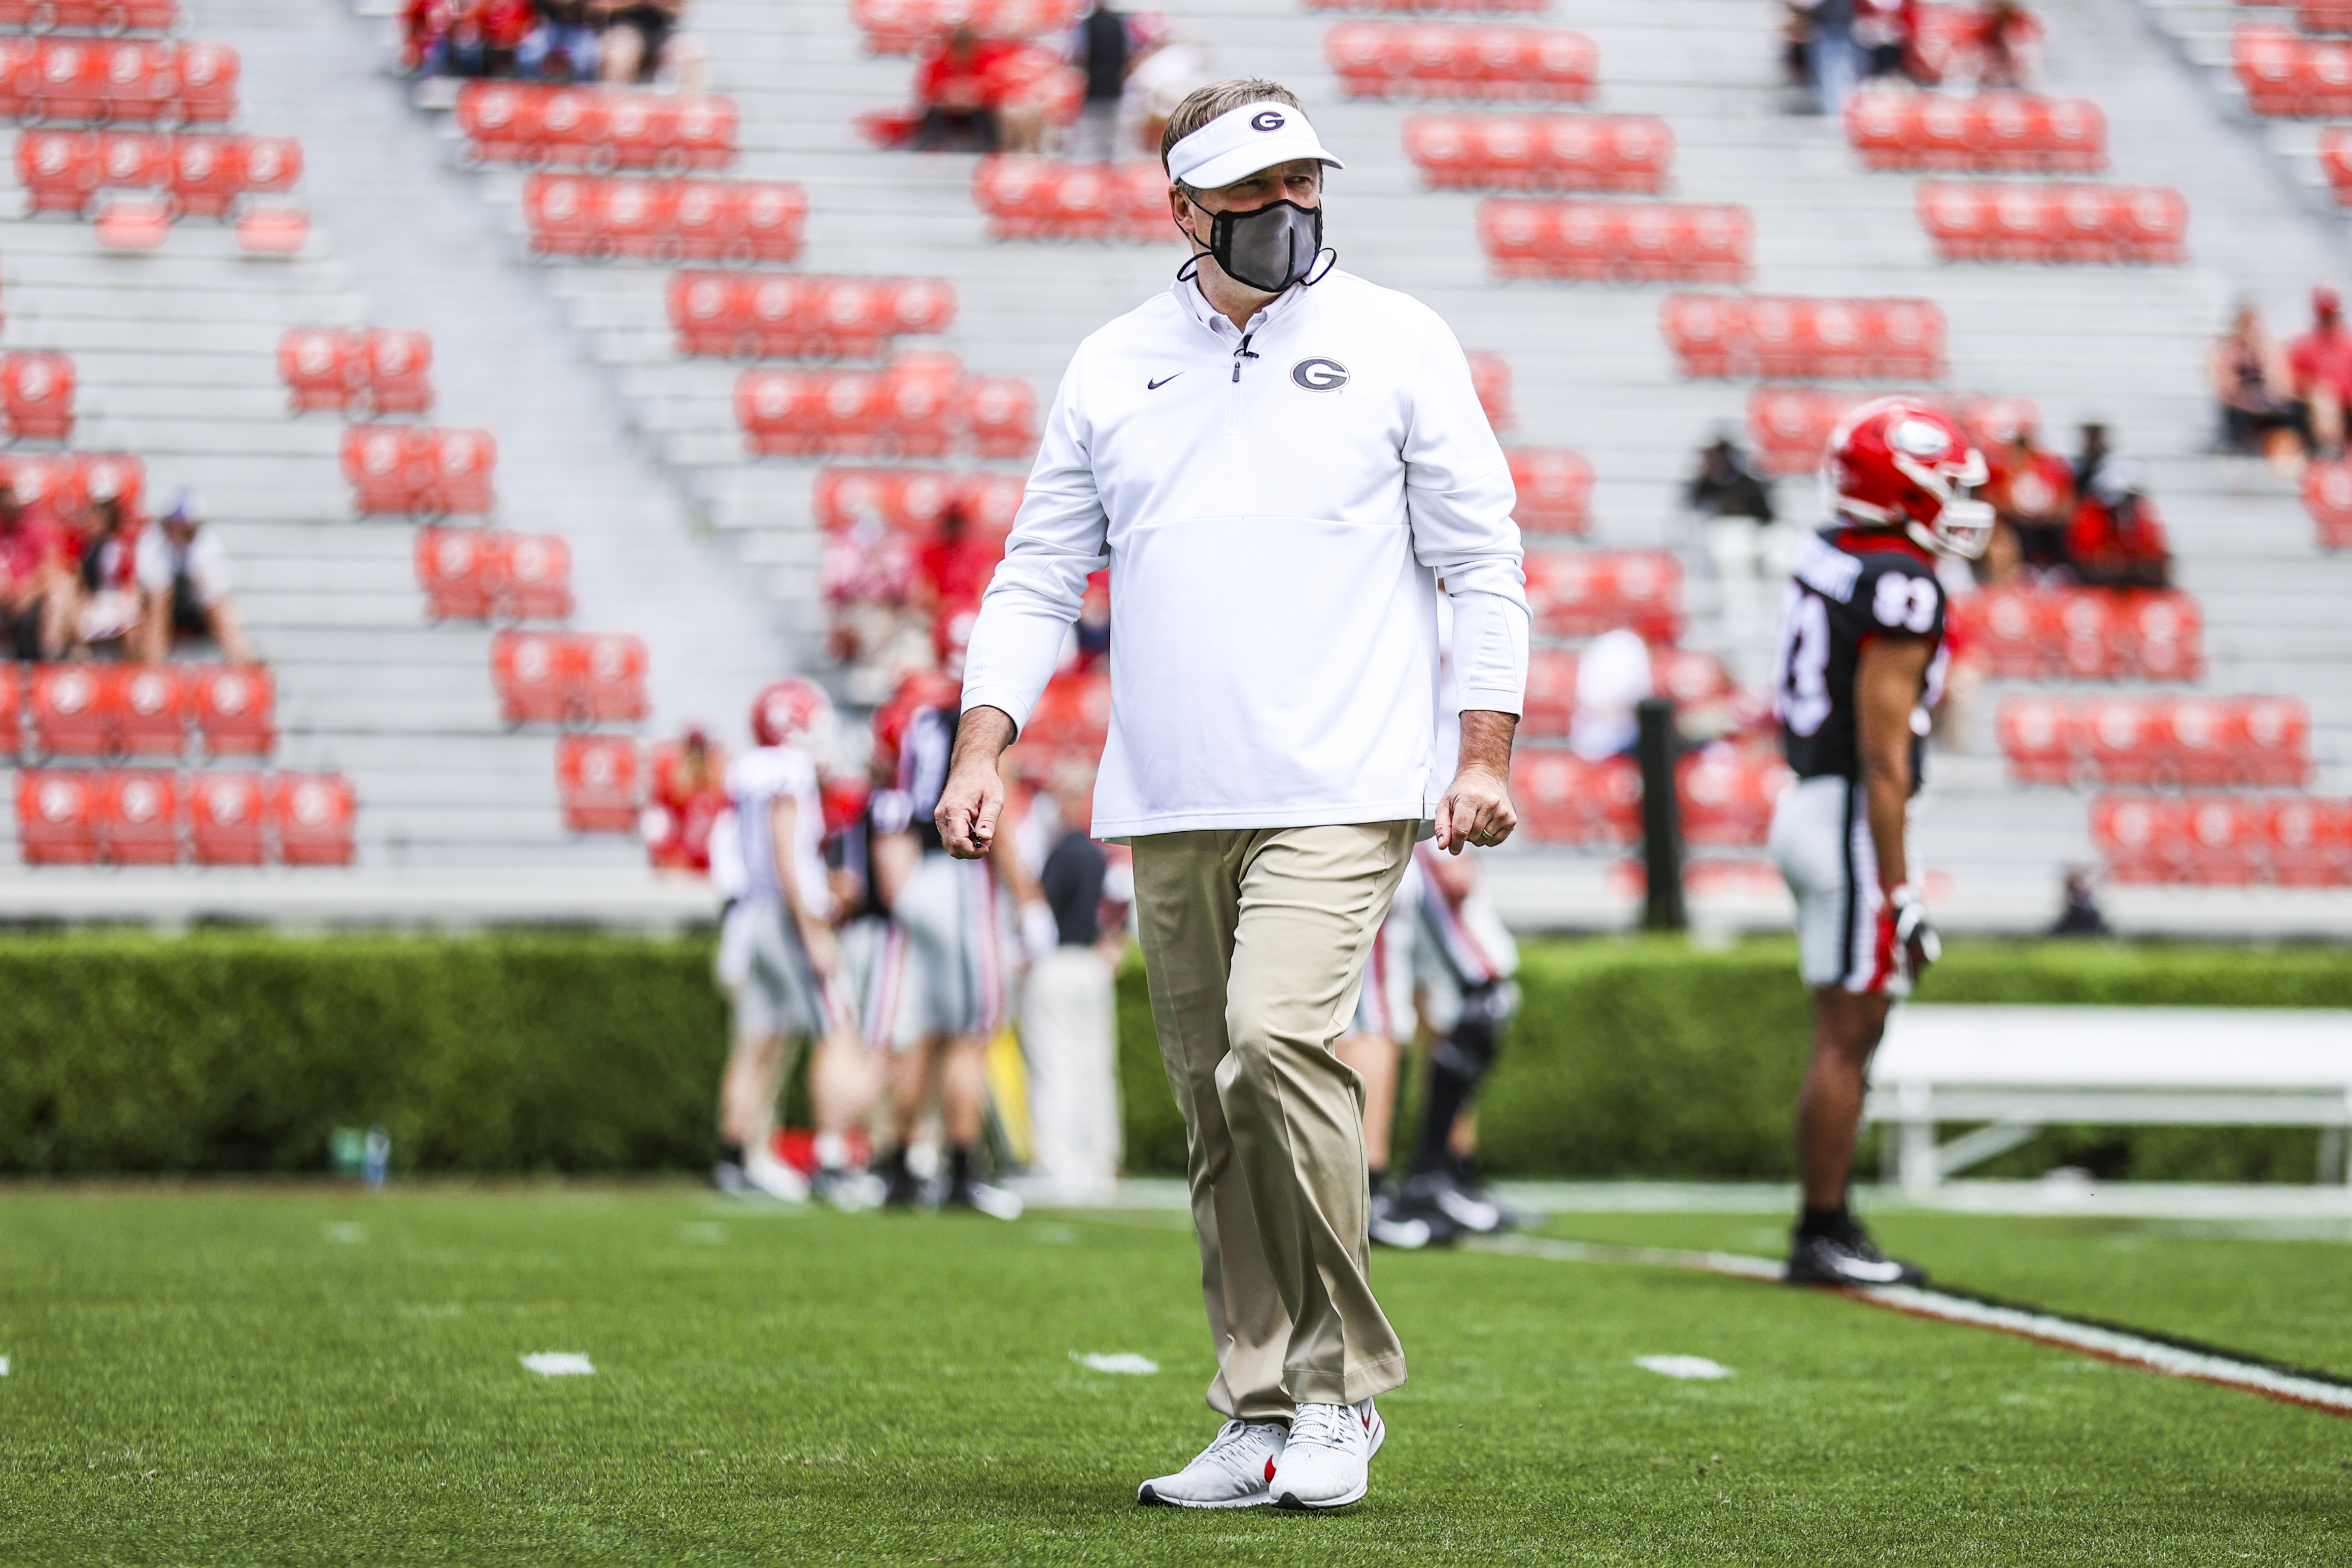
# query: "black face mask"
{"points": [[1268, 248]]}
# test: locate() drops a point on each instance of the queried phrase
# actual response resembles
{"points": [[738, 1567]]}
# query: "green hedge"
{"points": [[241, 1051]]}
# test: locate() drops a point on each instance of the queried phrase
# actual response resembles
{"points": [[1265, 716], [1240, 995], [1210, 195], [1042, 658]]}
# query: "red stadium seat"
{"points": [[2141, 838], [225, 815], [2305, 842], [536, 577], [599, 779], [138, 817], [316, 817], [1555, 489], [608, 669], [234, 709], [2277, 744], [1001, 413], [1993, 133], [917, 405], [204, 81], [532, 675], [460, 571], [1562, 799], [37, 395], [150, 710], [902, 26], [1727, 796], [1072, 717], [2221, 844], [419, 470], [2127, 742], [73, 708], [2042, 737], [60, 170], [1789, 336], [105, 16], [319, 368], [1045, 198], [1626, 152], [208, 174], [56, 816], [796, 316], [398, 364], [2164, 634], [135, 224]]}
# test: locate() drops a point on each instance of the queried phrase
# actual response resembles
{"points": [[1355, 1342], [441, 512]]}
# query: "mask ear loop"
{"points": [[1313, 275]]}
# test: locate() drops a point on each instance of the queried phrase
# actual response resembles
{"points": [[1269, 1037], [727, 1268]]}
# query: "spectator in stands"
{"points": [[2006, 37], [1795, 51], [1613, 675], [108, 607], [463, 37], [689, 793], [1882, 39], [2320, 362], [562, 45], [956, 86], [2032, 496], [2115, 540], [1829, 51], [184, 579], [1163, 73], [2254, 388], [1101, 48], [2082, 915], [868, 578], [954, 565], [1727, 485], [36, 592], [642, 38]]}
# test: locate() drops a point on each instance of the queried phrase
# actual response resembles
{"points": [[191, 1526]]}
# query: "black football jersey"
{"points": [[1846, 589]]}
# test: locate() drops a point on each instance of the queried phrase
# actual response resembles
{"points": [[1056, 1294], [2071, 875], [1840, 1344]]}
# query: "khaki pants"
{"points": [[1254, 941]]}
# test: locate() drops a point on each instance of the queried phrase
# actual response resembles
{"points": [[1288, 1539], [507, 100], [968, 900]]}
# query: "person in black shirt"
{"points": [[1860, 666], [1102, 52]]}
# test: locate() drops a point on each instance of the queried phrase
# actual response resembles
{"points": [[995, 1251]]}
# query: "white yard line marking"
{"points": [[1126, 1362], [1683, 1365], [345, 1230], [2205, 1364], [3, 1366], [559, 1363]]}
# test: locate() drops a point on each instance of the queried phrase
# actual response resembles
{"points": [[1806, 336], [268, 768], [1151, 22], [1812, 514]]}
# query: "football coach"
{"points": [[1283, 466]]}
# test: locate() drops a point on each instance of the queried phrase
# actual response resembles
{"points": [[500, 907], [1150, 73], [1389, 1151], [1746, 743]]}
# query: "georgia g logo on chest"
{"points": [[1320, 374]]}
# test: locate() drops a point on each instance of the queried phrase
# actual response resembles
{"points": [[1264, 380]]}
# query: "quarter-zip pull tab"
{"points": [[1241, 354]]}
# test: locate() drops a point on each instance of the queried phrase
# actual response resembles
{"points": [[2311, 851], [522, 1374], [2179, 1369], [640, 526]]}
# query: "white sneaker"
{"points": [[1328, 1463], [766, 1174], [1231, 1472]]}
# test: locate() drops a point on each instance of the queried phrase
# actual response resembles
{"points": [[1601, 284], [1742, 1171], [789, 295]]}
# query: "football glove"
{"points": [[1907, 944]]}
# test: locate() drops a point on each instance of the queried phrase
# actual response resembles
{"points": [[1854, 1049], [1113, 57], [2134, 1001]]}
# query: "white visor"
{"points": [[1240, 141]]}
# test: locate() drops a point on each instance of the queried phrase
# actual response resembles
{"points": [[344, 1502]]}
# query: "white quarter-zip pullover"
{"points": [[1275, 506]]}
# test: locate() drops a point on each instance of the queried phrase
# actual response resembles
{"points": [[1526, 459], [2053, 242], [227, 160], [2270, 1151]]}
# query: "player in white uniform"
{"points": [[957, 964], [779, 961], [1860, 666]]}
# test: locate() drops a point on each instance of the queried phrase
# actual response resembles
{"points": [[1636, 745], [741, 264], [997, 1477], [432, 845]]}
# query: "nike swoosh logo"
{"points": [[1156, 385]]}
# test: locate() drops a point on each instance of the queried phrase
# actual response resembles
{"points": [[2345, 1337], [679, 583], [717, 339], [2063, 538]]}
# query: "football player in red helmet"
{"points": [[1860, 666], [780, 961]]}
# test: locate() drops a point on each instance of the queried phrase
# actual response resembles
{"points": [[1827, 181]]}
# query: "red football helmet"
{"points": [[1897, 462], [786, 710]]}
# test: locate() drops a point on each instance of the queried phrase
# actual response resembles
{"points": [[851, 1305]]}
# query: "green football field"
{"points": [[242, 1375]]}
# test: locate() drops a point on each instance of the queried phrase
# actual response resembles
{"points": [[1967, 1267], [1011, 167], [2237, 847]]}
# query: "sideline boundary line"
{"points": [[2164, 1354]]}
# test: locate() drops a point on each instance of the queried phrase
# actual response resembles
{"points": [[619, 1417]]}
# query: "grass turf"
{"points": [[238, 1377]]}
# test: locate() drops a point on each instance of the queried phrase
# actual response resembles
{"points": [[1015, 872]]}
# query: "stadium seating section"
{"points": [[1617, 242], [783, 315], [2001, 132], [1744, 336], [596, 129], [917, 405], [601, 217], [902, 26], [1463, 60], [357, 371], [1046, 198], [1790, 426], [2073, 224], [1495, 152]]}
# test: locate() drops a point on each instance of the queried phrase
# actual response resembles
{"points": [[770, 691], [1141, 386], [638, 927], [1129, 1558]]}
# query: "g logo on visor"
{"points": [[1271, 119], [1320, 374]]}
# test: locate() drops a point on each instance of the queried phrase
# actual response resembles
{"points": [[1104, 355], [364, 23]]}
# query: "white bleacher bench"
{"points": [[2017, 1069]]}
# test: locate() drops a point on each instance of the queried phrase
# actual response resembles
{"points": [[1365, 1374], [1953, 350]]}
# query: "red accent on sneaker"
{"points": [[1269, 1469]]}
